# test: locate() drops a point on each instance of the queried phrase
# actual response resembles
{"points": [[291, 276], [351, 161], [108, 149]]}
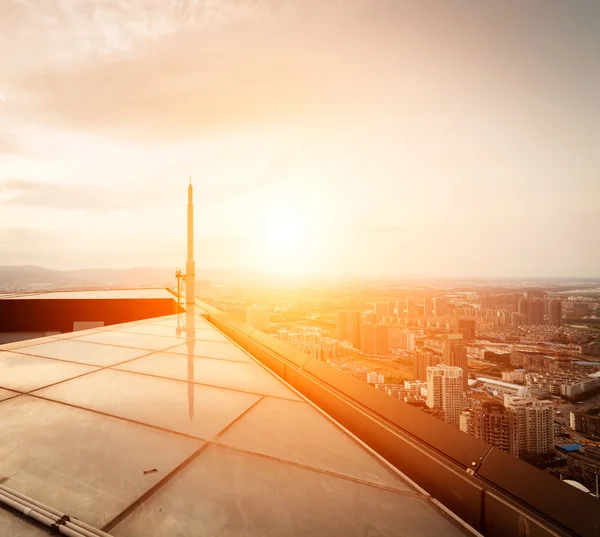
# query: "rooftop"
{"points": [[166, 427], [500, 383], [167, 422]]}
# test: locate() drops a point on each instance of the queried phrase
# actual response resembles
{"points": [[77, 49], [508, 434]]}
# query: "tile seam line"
{"points": [[132, 331], [116, 368], [116, 520], [383, 461], [76, 339], [346, 477], [122, 346], [98, 368], [221, 444], [114, 416], [238, 418], [165, 349], [148, 351], [62, 360]]}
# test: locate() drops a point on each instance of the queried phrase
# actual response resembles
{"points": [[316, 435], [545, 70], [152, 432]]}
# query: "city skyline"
{"points": [[283, 267], [365, 140]]}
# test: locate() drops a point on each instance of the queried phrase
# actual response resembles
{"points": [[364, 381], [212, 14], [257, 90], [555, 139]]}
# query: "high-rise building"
{"points": [[382, 340], [371, 317], [466, 327], [428, 307], [491, 422], [463, 421], [342, 326], [537, 312], [382, 311], [349, 327], [455, 354], [532, 428], [535, 294], [533, 310], [488, 302], [397, 337], [410, 341], [402, 307], [355, 332], [367, 337], [422, 362], [517, 319], [445, 392], [440, 305], [555, 312]]}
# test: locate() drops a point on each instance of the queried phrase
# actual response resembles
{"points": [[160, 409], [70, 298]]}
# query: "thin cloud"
{"points": [[30, 237], [202, 77], [8, 143], [72, 197]]}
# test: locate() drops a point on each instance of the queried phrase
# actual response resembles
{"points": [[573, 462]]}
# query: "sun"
{"points": [[285, 232], [287, 239]]}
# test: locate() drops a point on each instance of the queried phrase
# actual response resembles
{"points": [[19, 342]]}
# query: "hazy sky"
{"points": [[436, 138]]}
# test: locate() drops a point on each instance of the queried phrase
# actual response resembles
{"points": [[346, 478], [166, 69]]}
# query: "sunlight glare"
{"points": [[287, 239]]}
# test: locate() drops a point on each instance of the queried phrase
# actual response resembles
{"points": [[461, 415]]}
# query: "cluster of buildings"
{"points": [[497, 366], [503, 414], [309, 339], [494, 365], [376, 333], [533, 308], [520, 425], [509, 312]]}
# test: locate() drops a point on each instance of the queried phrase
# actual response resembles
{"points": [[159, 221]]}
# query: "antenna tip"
{"points": [[190, 179]]}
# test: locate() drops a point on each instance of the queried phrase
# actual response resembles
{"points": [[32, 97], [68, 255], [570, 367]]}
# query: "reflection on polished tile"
{"points": [[249, 377], [214, 349], [82, 463], [187, 408], [200, 321], [154, 330], [126, 339], [25, 373], [231, 494], [299, 433], [181, 333], [86, 353], [6, 394]]}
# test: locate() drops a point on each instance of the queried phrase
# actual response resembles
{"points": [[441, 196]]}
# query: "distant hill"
{"points": [[29, 277]]}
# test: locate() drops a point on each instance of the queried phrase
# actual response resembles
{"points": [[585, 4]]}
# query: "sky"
{"points": [[378, 138]]}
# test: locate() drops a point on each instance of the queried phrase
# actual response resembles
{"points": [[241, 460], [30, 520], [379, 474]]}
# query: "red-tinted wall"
{"points": [[48, 315]]}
